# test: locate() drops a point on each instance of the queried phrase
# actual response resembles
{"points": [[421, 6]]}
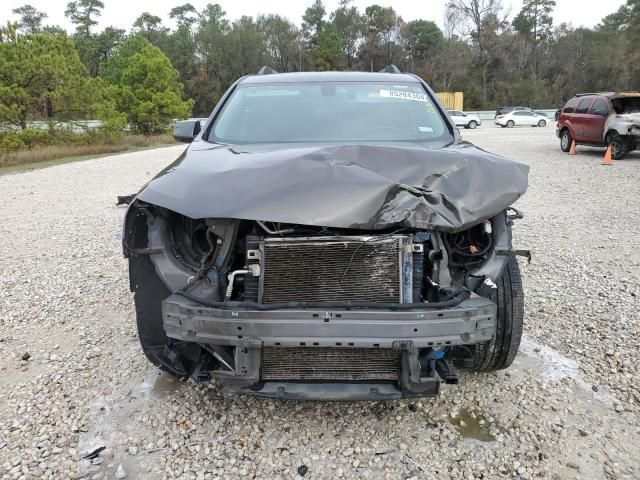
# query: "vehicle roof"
{"points": [[297, 77], [609, 94]]}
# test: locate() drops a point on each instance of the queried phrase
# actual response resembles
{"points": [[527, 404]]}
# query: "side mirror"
{"points": [[186, 130]]}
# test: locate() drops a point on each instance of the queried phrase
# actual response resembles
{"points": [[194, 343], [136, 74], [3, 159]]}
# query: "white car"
{"points": [[466, 120], [521, 117]]}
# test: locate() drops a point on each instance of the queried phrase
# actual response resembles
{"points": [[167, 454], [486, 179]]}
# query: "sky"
{"points": [[122, 13]]}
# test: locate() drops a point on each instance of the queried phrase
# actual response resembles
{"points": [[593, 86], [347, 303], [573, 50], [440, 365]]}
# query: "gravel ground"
{"points": [[73, 377]]}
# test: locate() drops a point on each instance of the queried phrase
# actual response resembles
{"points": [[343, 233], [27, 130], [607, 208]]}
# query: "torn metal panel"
{"points": [[625, 119], [342, 186], [624, 124]]}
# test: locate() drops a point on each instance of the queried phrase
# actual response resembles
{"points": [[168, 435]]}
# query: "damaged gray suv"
{"points": [[327, 236]]}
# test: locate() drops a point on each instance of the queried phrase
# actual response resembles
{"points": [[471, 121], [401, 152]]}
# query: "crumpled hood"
{"points": [[341, 186], [629, 117]]}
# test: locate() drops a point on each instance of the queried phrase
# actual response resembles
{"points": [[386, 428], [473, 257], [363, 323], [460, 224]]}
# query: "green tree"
{"points": [[481, 21], [213, 16], [382, 29], [535, 22], [185, 15], [43, 79], [93, 48], [247, 51], [150, 27], [422, 37], [535, 19], [313, 21], [146, 87], [9, 33], [327, 53], [626, 18], [622, 28], [83, 14], [448, 69], [180, 45], [348, 23], [104, 45], [322, 38], [30, 18], [211, 48], [283, 42]]}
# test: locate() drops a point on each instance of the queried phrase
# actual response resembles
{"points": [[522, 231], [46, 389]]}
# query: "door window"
{"points": [[600, 107], [571, 105], [583, 106]]}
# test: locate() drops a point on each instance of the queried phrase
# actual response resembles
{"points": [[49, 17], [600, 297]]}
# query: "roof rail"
{"points": [[594, 93], [266, 71], [390, 69]]}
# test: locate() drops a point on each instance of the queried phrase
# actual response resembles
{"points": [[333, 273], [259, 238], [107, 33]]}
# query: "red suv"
{"points": [[601, 119]]}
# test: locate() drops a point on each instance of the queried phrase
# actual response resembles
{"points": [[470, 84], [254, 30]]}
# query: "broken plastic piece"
{"points": [[93, 453], [446, 371], [125, 199]]}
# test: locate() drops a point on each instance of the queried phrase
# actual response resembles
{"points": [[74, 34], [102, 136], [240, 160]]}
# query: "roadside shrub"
{"points": [[32, 137], [10, 142], [47, 145]]}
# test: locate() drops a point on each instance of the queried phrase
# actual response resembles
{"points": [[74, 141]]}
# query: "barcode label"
{"points": [[418, 97]]}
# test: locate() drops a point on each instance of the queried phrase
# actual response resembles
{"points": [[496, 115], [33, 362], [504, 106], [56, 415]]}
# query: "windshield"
{"points": [[329, 112]]}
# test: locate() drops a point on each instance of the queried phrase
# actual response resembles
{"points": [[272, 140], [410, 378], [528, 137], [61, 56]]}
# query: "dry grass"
{"points": [[56, 152]]}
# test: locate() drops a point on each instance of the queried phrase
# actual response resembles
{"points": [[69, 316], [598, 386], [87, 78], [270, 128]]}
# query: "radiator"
{"points": [[335, 364], [377, 269]]}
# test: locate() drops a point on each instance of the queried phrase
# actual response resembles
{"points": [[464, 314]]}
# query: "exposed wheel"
{"points": [[172, 356], [542, 123], [472, 124], [565, 140], [499, 352], [619, 146], [510, 124]]}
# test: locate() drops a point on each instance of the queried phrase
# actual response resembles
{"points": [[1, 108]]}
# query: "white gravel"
{"points": [[568, 408]]}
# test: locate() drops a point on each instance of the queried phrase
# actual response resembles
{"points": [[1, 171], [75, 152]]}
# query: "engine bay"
{"points": [[229, 260]]}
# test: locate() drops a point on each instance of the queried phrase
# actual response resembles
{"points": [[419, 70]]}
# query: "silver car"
{"points": [[466, 120]]}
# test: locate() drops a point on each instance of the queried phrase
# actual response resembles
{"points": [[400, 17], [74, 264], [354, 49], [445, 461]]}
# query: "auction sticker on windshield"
{"points": [[418, 97]]}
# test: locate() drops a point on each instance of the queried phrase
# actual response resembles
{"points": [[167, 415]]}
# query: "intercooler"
{"points": [[334, 364], [376, 268]]}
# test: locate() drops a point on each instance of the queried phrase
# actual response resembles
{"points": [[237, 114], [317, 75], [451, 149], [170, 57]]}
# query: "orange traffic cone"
{"points": [[608, 158], [572, 150]]}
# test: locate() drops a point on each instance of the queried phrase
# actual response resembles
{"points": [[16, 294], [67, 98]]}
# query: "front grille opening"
{"points": [[330, 364]]}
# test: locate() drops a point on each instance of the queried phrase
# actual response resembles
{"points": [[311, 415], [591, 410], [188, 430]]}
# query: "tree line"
{"points": [[152, 74]]}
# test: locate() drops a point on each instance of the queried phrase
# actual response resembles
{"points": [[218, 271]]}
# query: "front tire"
{"points": [[542, 123], [499, 352], [510, 124], [619, 146], [472, 124], [565, 140]]}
